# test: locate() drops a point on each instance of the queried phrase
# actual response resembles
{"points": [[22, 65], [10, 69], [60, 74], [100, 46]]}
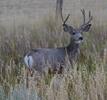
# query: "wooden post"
{"points": [[59, 6]]}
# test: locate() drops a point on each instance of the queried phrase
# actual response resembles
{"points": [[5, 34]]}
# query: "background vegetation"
{"points": [[19, 34]]}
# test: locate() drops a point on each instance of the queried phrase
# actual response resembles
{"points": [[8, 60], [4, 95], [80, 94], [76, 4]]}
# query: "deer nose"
{"points": [[80, 38]]}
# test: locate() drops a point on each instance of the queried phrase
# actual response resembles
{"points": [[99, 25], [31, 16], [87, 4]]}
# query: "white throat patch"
{"points": [[78, 42]]}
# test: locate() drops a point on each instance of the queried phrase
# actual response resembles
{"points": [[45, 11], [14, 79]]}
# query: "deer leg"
{"points": [[29, 72]]}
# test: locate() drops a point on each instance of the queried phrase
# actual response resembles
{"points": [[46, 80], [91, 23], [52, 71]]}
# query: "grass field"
{"points": [[26, 24]]}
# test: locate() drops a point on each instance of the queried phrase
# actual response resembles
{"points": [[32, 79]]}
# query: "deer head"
{"points": [[76, 33]]}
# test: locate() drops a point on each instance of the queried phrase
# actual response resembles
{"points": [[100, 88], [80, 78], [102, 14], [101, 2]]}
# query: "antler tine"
{"points": [[90, 17], [83, 13], [64, 21], [89, 13]]}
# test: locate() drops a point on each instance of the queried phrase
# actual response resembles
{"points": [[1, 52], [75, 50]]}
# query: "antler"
{"points": [[64, 21], [84, 19], [83, 13]]}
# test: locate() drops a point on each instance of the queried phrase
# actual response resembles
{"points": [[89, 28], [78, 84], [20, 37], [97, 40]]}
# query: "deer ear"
{"points": [[86, 28], [67, 28]]}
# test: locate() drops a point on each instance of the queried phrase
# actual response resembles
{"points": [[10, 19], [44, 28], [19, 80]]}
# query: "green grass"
{"points": [[87, 81]]}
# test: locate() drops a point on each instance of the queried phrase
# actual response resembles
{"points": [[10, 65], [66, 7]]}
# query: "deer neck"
{"points": [[73, 47]]}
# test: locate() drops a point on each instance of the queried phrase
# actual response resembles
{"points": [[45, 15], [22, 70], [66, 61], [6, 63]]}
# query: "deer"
{"points": [[40, 59]]}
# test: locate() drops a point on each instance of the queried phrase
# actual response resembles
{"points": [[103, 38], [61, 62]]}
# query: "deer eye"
{"points": [[73, 33]]}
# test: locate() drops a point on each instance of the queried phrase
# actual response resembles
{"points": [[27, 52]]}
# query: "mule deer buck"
{"points": [[39, 59]]}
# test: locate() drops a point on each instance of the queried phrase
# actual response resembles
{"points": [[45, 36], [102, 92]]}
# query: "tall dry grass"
{"points": [[86, 81]]}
